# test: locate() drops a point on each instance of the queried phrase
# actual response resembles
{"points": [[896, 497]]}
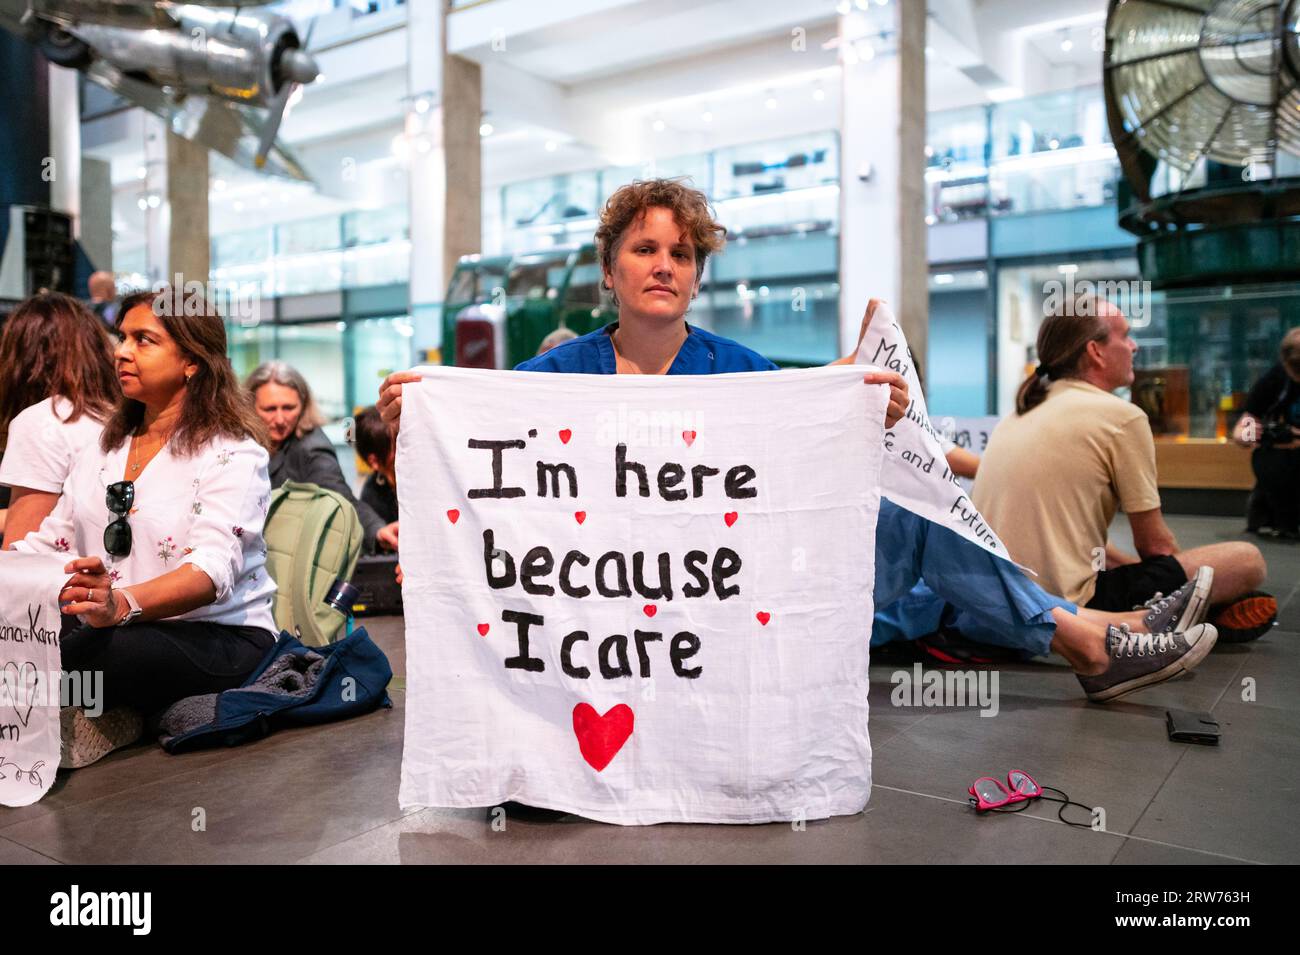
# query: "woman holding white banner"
{"points": [[653, 239], [166, 513]]}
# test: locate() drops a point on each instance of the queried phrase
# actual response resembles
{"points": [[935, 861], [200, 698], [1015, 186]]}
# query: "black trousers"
{"points": [[1275, 502], [149, 666]]}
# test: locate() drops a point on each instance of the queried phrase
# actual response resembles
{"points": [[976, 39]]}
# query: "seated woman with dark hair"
{"points": [[164, 517], [56, 388], [300, 450]]}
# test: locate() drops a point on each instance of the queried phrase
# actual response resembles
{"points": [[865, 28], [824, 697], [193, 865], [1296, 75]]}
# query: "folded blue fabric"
{"points": [[294, 685]]}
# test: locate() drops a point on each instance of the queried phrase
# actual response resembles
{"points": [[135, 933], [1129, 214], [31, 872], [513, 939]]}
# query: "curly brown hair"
{"points": [[690, 208], [52, 344], [214, 403]]}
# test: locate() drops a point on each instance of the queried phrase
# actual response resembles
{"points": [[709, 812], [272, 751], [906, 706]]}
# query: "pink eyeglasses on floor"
{"points": [[989, 793]]}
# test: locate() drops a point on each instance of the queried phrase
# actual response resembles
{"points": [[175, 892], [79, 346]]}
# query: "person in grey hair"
{"points": [[300, 450], [557, 337]]}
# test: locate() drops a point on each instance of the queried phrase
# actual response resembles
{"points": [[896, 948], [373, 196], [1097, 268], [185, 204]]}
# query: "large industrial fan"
{"points": [[1203, 100]]}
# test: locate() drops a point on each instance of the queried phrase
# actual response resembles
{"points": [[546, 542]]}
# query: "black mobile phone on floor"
{"points": [[1185, 726]]}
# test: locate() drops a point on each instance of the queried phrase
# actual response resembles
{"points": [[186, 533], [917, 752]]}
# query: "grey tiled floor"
{"points": [[329, 794]]}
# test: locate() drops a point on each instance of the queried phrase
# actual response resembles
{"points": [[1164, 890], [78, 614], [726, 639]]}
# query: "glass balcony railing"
{"points": [[1039, 154], [356, 250]]}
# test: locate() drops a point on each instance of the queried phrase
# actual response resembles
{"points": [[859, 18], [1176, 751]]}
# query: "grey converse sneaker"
{"points": [[1141, 659], [1183, 609], [88, 739]]}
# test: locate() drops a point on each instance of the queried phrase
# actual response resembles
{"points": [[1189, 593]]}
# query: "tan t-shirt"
{"points": [[1050, 481]]}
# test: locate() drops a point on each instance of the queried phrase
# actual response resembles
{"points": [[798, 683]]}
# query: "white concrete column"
{"points": [[427, 184], [157, 213], [65, 144], [189, 241], [443, 111], [178, 239], [882, 168]]}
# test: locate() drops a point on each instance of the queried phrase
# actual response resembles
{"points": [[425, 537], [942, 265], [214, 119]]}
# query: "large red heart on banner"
{"points": [[601, 737]]}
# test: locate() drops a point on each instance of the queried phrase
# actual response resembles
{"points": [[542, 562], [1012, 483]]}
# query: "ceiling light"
{"points": [[551, 145], [141, 172], [154, 200], [142, 203], [819, 94], [219, 185], [707, 116], [487, 129], [422, 105], [770, 102], [1067, 45], [658, 125], [843, 8]]}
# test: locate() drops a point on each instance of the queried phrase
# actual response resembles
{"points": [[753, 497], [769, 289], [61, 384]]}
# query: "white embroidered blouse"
{"points": [[207, 510]]}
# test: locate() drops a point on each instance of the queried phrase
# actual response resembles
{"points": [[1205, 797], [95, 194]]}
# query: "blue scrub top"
{"points": [[703, 353]]}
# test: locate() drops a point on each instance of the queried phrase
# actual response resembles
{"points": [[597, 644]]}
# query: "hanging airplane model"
{"points": [[216, 75]]}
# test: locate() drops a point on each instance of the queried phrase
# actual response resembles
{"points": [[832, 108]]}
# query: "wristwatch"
{"points": [[133, 609]]}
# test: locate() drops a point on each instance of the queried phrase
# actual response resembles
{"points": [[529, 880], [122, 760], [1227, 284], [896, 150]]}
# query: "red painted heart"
{"points": [[483, 628], [650, 610], [453, 515], [688, 437], [565, 435], [601, 737], [579, 516], [730, 517], [763, 617]]}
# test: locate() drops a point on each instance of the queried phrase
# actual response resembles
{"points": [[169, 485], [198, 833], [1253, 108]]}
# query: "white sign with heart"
{"points": [[30, 682], [640, 598]]}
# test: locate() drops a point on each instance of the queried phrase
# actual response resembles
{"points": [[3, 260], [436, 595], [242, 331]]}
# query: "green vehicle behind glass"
{"points": [[499, 309]]}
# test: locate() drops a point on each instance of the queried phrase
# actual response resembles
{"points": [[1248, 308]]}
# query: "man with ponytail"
{"points": [[1074, 453]]}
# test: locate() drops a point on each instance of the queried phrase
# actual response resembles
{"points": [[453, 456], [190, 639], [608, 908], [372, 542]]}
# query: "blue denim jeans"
{"points": [[927, 575]]}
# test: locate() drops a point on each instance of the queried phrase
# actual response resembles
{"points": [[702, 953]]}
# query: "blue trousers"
{"points": [[927, 574]]}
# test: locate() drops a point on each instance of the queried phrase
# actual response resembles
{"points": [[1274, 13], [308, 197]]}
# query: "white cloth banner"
{"points": [[30, 683], [916, 474], [641, 599]]}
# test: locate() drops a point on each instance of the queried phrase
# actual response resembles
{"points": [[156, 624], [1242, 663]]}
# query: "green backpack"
{"points": [[313, 537]]}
